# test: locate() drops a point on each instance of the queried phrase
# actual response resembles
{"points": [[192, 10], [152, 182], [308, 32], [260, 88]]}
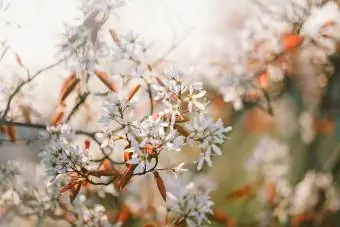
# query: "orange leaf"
{"points": [[292, 41], [160, 185], [105, 79], [126, 177], [263, 79], [107, 164], [56, 119], [74, 191], [123, 214], [325, 125], [67, 87], [241, 192], [11, 132], [133, 92], [87, 144]]}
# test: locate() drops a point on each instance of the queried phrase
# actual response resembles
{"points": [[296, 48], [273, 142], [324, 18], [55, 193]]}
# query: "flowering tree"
{"points": [[129, 165]]}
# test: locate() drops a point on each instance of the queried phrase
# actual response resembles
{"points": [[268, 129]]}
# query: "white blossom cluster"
{"points": [[90, 217], [24, 188], [60, 155], [271, 158], [315, 191], [165, 130], [190, 204]]}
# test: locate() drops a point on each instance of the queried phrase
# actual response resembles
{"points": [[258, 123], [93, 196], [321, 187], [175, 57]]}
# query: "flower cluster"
{"points": [[190, 204], [20, 191], [183, 120], [60, 155]]}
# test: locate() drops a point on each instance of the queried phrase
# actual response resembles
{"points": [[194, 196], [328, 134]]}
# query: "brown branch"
{"points": [[22, 84]]}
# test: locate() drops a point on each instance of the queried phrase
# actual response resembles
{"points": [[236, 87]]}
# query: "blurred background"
{"points": [[201, 37]]}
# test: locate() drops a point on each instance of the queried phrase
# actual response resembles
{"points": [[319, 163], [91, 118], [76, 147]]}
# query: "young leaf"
{"points": [[105, 80], [67, 87], [160, 185]]}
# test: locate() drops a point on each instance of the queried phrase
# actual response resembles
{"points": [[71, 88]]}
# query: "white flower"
{"points": [[190, 203], [194, 99], [210, 134]]}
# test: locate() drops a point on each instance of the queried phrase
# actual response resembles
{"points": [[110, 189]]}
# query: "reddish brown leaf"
{"points": [[181, 130], [241, 192], [11, 132], [87, 144], [263, 79], [160, 185], [74, 191], [292, 41], [105, 80], [125, 178], [57, 118], [133, 91], [67, 87], [123, 214], [181, 119], [107, 164]]}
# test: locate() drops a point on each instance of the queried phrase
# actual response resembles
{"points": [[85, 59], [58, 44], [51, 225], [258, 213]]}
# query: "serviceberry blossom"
{"points": [[208, 135], [60, 155], [147, 137], [308, 194], [21, 189], [271, 159], [190, 204]]}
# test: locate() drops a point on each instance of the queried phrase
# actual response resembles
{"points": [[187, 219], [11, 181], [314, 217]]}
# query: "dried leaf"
{"points": [[105, 79], [241, 192], [67, 87], [292, 41], [123, 214], [56, 119], [74, 191], [263, 79], [87, 144], [126, 177], [107, 164], [160, 185], [133, 91]]}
